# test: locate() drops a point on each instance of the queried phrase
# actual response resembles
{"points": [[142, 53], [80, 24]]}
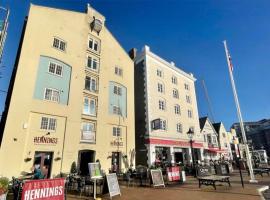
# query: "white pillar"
{"points": [[201, 154], [151, 154], [189, 155], [172, 155]]}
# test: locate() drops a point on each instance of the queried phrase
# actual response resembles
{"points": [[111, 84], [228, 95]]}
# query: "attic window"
{"points": [[96, 25]]}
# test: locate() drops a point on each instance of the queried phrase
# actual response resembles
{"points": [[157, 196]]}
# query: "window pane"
{"points": [[55, 96], [44, 123], [62, 46], [94, 64], [90, 43], [87, 83], [59, 70], [52, 124], [93, 84], [86, 106], [89, 62], [52, 68], [96, 46], [56, 42], [92, 107], [48, 94]]}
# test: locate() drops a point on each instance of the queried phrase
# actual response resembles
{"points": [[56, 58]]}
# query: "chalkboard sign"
{"points": [[113, 185], [157, 178], [94, 170], [204, 171], [222, 169]]}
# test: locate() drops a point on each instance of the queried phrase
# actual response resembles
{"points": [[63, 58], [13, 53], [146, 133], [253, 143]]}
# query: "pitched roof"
{"points": [[217, 126], [202, 122]]}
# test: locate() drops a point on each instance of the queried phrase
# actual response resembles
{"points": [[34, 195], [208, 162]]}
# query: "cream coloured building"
{"points": [[166, 108], [71, 97]]}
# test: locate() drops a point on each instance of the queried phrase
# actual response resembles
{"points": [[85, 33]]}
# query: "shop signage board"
{"points": [[157, 177], [94, 170], [204, 171], [45, 189], [113, 185], [173, 173]]}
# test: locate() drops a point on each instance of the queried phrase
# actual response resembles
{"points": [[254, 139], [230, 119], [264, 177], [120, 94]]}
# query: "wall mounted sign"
{"points": [[45, 140], [117, 143]]}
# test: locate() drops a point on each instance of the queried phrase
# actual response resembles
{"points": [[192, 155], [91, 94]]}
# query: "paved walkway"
{"points": [[191, 191]]}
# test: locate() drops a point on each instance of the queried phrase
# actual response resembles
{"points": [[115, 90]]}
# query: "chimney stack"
{"points": [[132, 53]]}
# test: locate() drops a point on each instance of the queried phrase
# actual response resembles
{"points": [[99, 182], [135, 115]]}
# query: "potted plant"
{"points": [[3, 188]]}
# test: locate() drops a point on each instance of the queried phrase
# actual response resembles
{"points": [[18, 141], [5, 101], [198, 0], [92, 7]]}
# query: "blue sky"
{"points": [[190, 33]]}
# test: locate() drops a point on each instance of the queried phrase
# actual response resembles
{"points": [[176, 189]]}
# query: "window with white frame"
{"points": [[52, 94], [116, 110], [117, 90], [186, 86], [88, 133], [90, 84], [174, 80], [177, 109], [159, 124], [117, 131], [59, 44], [93, 44], [92, 63], [55, 69], [175, 93], [118, 71], [188, 99], [163, 124], [179, 128], [160, 88], [190, 115], [159, 72], [89, 106], [161, 105], [48, 123]]}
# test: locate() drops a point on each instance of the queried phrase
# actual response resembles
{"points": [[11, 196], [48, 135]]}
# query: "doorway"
{"points": [[116, 161], [85, 157], [44, 160], [178, 156]]}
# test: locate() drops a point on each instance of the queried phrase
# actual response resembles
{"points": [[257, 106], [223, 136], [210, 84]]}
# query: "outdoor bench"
{"points": [[212, 179], [260, 171]]}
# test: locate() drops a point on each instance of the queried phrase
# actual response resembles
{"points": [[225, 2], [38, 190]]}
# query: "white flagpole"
{"points": [[252, 178]]}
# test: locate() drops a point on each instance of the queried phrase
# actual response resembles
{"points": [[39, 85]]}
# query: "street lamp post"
{"points": [[238, 161], [190, 134]]}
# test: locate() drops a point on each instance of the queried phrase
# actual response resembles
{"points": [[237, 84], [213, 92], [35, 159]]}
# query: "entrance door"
{"points": [[116, 161], [178, 156], [44, 160], [85, 157]]}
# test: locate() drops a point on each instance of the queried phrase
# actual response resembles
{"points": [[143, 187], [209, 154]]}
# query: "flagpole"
{"points": [[250, 167]]}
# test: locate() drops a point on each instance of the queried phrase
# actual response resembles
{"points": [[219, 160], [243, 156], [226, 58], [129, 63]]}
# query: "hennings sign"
{"points": [[53, 189], [45, 140]]}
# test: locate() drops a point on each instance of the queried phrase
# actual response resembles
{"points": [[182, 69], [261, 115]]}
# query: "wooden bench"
{"points": [[205, 177], [211, 180]]}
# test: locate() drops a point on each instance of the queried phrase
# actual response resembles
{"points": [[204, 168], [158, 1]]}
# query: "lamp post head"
{"points": [[190, 133]]}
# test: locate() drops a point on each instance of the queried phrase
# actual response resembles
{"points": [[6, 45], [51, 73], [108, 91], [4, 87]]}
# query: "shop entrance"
{"points": [[85, 157], [178, 156], [116, 161], [44, 160]]}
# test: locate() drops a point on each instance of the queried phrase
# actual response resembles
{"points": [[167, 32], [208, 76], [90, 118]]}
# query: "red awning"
{"points": [[216, 150]]}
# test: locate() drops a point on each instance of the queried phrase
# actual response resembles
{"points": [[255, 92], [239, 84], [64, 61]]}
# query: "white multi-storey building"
{"points": [[166, 108]]}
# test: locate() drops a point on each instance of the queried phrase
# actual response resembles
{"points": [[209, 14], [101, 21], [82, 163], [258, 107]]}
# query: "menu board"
{"points": [[157, 177], [113, 185], [94, 170]]}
